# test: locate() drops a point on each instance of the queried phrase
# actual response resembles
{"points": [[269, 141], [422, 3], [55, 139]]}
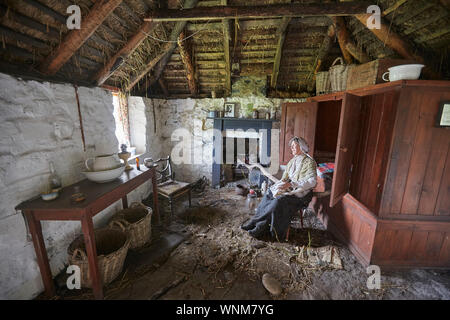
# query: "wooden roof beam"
{"points": [[398, 44], [76, 38], [324, 49], [348, 47], [343, 38], [391, 39], [150, 65], [226, 49], [176, 31], [254, 12], [161, 60], [186, 57], [281, 33], [114, 63]]}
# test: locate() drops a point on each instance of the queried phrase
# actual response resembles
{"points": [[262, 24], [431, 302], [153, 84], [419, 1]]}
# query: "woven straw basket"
{"points": [[323, 84], [338, 75], [112, 248], [135, 220]]}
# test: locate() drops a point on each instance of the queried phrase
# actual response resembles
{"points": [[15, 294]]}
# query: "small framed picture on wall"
{"points": [[230, 110], [443, 118]]}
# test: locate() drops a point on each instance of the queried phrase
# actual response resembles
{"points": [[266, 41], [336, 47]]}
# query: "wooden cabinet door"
{"points": [[346, 146], [297, 119]]}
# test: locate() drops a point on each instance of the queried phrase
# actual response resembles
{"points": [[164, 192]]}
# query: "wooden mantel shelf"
{"points": [[244, 119]]}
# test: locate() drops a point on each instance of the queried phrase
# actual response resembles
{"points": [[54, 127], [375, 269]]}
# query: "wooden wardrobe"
{"points": [[390, 197]]}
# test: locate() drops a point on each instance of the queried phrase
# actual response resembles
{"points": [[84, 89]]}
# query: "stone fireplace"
{"points": [[248, 140]]}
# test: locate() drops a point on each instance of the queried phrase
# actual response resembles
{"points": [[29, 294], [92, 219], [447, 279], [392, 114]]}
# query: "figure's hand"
{"points": [[285, 186]]}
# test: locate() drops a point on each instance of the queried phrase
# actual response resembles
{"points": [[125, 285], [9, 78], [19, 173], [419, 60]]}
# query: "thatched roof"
{"points": [[214, 51]]}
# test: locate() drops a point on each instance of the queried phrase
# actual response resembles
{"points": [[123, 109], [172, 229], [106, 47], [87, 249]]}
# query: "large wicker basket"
{"points": [[112, 248], [323, 84], [338, 75], [135, 220]]}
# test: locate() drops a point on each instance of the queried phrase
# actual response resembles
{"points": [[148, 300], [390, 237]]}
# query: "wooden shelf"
{"points": [[244, 119]]}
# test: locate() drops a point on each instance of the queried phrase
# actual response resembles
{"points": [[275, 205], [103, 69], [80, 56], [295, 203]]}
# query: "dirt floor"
{"points": [[214, 259]]}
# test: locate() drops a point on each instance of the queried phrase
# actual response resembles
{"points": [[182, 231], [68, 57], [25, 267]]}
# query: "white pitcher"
{"points": [[103, 162]]}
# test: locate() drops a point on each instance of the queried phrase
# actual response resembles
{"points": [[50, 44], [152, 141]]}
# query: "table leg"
{"points": [[125, 202], [155, 199], [89, 241], [171, 208], [41, 253]]}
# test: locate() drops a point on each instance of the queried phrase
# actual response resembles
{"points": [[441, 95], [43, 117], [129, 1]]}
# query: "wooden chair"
{"points": [[168, 187], [301, 212]]}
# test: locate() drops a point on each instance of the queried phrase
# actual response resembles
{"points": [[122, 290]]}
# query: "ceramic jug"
{"points": [[103, 162]]}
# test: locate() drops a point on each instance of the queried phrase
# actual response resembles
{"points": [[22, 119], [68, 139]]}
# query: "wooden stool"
{"points": [[172, 190]]}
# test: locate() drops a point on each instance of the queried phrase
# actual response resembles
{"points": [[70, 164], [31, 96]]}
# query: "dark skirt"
{"points": [[275, 214]]}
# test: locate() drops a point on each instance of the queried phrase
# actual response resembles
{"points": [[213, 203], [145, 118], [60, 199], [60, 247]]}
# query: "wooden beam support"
{"points": [[343, 38], [76, 38], [186, 57], [168, 50], [226, 49], [391, 39], [324, 49], [398, 44], [150, 65], [356, 52], [112, 65], [281, 34], [267, 11]]}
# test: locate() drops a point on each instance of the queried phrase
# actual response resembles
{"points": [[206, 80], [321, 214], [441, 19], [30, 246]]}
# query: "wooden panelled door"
{"points": [[297, 119], [346, 146]]}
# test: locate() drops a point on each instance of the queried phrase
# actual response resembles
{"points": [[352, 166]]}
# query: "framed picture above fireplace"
{"points": [[230, 110]]}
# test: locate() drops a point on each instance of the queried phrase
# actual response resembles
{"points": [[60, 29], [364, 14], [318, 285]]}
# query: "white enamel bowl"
{"points": [[404, 72], [104, 176]]}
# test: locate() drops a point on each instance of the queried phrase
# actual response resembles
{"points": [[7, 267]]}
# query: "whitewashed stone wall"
{"points": [[39, 123], [183, 118]]}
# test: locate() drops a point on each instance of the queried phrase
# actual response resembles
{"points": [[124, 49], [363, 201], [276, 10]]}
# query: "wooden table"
{"points": [[98, 197]]}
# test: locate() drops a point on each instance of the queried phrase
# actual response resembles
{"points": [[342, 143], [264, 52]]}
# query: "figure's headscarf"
{"points": [[302, 143]]}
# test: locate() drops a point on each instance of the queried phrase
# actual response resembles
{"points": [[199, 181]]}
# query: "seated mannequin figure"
{"points": [[287, 196]]}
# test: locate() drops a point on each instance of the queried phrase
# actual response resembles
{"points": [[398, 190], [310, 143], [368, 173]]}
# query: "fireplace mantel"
{"points": [[223, 124], [244, 119]]}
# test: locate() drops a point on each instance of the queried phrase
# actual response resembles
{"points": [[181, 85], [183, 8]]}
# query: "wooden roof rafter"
{"points": [[281, 33], [114, 63], [226, 50], [255, 12], [160, 61], [76, 38], [186, 57]]}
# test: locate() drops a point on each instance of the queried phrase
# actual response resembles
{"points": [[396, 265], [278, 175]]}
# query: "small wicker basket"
{"points": [[338, 75], [135, 220], [323, 84], [112, 248]]}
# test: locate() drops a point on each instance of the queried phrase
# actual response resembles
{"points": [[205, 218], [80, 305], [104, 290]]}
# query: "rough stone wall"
{"points": [[39, 123], [187, 117]]}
